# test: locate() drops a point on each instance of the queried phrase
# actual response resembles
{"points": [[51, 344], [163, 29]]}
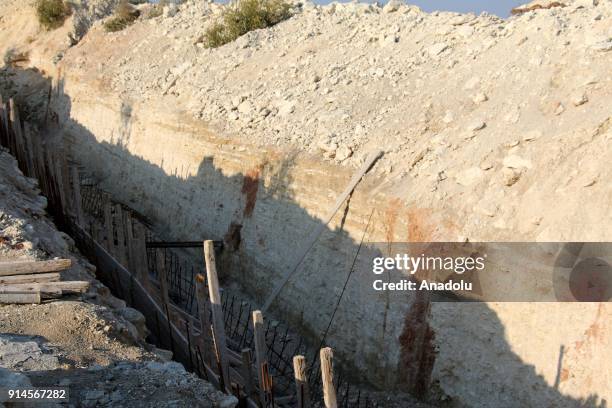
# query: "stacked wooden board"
{"points": [[34, 281]]}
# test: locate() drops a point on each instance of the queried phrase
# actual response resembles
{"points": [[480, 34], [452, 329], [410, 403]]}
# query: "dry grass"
{"points": [[247, 15], [52, 13], [124, 16]]}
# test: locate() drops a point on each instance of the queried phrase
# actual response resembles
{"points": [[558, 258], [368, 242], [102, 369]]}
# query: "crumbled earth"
{"points": [[93, 344], [479, 116]]}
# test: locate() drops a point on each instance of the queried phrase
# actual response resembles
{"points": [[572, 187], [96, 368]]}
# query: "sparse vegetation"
{"points": [[156, 10], [245, 16], [52, 13], [125, 14]]}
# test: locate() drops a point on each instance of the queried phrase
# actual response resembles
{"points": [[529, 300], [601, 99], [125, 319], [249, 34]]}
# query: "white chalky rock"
{"points": [[437, 49], [469, 177], [516, 162]]}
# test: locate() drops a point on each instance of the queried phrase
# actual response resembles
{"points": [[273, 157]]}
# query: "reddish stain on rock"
{"points": [[419, 228], [391, 218], [250, 186], [417, 350]]}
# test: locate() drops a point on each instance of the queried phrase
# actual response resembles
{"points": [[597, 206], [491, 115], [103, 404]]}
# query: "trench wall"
{"points": [[193, 185]]}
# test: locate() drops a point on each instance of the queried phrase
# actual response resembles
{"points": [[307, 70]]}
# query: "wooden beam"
{"points": [[47, 289], [121, 250], [217, 310], [109, 242], [76, 195], [29, 267], [314, 236], [20, 298], [41, 277], [301, 382], [327, 377]]}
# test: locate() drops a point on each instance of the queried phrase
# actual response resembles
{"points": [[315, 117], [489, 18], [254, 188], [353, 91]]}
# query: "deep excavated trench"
{"points": [[263, 202]]}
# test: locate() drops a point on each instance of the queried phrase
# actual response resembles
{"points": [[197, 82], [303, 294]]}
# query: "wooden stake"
{"points": [[29, 267], [141, 254], [217, 310], [163, 279], [261, 359], [109, 243], [301, 382], [327, 377], [121, 252], [76, 196]]}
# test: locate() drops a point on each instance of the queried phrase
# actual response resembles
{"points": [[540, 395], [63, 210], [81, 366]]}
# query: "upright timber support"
{"points": [[327, 377], [217, 312], [301, 382]]}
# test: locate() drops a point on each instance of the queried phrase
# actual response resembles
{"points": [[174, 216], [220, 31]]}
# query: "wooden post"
{"points": [[247, 373], [131, 245], [261, 359], [217, 310], [301, 382], [16, 129], [120, 230], [141, 254], [327, 377], [163, 279], [27, 137], [109, 243], [76, 195]]}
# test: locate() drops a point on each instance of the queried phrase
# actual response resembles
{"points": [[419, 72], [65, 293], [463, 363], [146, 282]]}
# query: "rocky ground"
{"points": [[94, 345], [478, 116]]}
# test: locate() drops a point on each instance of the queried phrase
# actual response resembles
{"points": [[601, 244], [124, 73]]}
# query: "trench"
{"points": [[158, 278]]}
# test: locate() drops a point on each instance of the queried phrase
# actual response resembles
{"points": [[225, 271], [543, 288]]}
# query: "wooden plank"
{"points": [[29, 267], [109, 242], [66, 185], [60, 182], [217, 310], [41, 277], [20, 298], [261, 360], [29, 156], [163, 277], [142, 269], [327, 377], [131, 243], [301, 382], [314, 236], [14, 128], [76, 195], [47, 288], [3, 123], [120, 248]]}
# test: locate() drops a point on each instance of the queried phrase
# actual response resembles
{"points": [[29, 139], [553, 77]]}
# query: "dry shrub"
{"points": [[245, 16], [125, 14], [52, 13]]}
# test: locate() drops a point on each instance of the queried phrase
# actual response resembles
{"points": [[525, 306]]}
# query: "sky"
{"points": [[498, 7]]}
